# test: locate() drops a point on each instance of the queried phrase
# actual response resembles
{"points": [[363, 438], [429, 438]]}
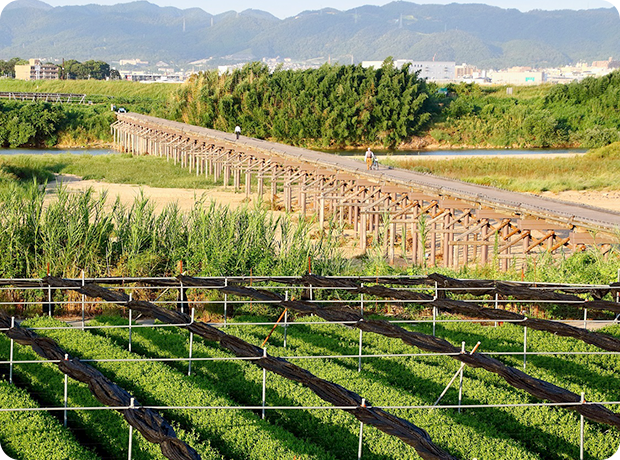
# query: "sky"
{"points": [[286, 8]]}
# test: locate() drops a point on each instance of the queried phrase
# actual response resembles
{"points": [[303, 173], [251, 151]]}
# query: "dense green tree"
{"points": [[7, 68], [333, 106], [75, 70]]}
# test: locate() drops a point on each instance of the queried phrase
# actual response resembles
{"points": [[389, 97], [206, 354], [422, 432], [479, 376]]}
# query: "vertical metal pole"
{"points": [[49, 299], [461, 379], [66, 394], [130, 317], [131, 432], [285, 319], [359, 448], [11, 353], [362, 302], [83, 302], [524, 346], [264, 384], [191, 347], [585, 319], [359, 364], [225, 303], [582, 440], [182, 297], [496, 304], [435, 308]]}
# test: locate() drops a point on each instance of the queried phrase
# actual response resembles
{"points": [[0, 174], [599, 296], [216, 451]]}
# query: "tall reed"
{"points": [[75, 231]]}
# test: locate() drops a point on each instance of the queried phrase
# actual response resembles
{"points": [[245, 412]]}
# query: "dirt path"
{"points": [[160, 197]]}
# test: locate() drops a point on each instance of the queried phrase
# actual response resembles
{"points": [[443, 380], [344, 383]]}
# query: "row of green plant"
{"points": [[333, 106], [232, 434], [34, 435], [539, 432], [599, 169], [334, 430], [104, 431]]}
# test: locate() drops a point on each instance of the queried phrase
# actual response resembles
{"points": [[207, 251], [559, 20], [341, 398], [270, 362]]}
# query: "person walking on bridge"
{"points": [[370, 158], [237, 131]]}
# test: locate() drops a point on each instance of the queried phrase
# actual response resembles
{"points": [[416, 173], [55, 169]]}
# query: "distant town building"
{"points": [[429, 70], [133, 62], [465, 71], [518, 77], [35, 70], [609, 64], [147, 77]]}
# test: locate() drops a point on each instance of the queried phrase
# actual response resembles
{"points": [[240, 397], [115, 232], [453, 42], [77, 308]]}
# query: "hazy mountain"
{"points": [[472, 33], [14, 4]]}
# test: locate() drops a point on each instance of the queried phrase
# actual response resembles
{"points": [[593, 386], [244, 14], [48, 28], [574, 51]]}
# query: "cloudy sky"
{"points": [[284, 9]]}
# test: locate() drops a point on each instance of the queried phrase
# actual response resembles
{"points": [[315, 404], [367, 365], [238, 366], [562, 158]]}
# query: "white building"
{"points": [[430, 70]]}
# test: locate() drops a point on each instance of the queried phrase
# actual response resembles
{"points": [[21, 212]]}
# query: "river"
{"points": [[466, 153], [355, 152]]}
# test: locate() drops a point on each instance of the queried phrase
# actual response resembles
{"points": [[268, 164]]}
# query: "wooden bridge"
{"points": [[420, 217]]}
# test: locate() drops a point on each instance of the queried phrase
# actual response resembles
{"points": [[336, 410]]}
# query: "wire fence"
{"points": [[329, 295]]}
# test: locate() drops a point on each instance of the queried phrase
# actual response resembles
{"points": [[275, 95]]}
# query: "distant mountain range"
{"points": [[474, 33]]}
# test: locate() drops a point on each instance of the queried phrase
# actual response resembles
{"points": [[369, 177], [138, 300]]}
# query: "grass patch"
{"points": [[115, 168], [597, 170]]}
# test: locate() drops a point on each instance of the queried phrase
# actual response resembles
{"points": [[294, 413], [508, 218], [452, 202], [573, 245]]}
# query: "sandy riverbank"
{"points": [[185, 198]]}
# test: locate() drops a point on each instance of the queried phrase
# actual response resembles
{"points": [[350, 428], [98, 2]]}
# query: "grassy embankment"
{"points": [[96, 90]]}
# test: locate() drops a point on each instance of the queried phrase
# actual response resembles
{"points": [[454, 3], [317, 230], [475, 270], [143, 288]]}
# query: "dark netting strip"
{"points": [[148, 422]]}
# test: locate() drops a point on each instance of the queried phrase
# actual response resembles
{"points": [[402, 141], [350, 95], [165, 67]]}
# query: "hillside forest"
{"points": [[332, 107]]}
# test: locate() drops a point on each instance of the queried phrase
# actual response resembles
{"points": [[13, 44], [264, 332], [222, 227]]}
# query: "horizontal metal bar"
{"points": [[310, 357], [254, 408]]}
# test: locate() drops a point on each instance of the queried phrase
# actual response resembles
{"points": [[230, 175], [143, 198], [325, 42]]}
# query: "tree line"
{"points": [[333, 106], [69, 70]]}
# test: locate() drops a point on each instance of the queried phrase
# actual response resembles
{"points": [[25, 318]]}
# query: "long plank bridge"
{"points": [[432, 220]]}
